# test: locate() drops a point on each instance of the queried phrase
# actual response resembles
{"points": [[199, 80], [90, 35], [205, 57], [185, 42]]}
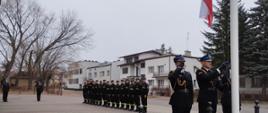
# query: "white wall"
{"points": [[98, 70], [116, 70], [122, 76], [147, 55], [81, 77], [189, 66]]}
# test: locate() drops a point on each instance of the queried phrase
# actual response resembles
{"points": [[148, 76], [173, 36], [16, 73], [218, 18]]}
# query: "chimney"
{"points": [[187, 53]]}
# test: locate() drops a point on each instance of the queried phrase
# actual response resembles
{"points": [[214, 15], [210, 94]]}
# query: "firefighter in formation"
{"points": [[125, 94]]}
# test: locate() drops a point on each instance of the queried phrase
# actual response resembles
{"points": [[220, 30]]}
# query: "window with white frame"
{"points": [[95, 74], [143, 65], [160, 83], [151, 69], [81, 71], [125, 70], [73, 81], [160, 69], [108, 73], [151, 82], [102, 74]]}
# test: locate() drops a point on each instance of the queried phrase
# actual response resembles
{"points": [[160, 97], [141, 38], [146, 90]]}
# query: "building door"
{"points": [[137, 71]]}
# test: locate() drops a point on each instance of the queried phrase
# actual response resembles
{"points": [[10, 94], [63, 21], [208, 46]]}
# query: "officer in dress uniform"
{"points": [[97, 93], [39, 89], [100, 93], [137, 93], [127, 94], [122, 95], [225, 88], [89, 91], [5, 89], [108, 99], [132, 95], [112, 93], [144, 93], [207, 78], [117, 94], [104, 95], [84, 91], [93, 94], [87, 86], [181, 82]]}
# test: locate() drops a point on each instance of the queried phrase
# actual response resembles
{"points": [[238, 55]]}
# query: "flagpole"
{"points": [[234, 55]]}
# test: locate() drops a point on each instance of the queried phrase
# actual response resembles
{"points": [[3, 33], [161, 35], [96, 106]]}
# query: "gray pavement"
{"points": [[73, 104]]}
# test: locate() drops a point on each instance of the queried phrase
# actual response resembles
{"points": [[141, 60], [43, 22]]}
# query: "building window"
{"points": [[242, 82], [161, 69], [89, 75], [256, 82], [73, 81], [108, 73], [136, 58], [151, 82], [74, 72], [125, 70], [102, 74], [81, 70], [160, 83], [95, 74], [195, 83], [143, 65], [151, 69], [129, 60]]}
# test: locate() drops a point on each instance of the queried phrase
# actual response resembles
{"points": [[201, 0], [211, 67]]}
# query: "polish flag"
{"points": [[206, 11]]}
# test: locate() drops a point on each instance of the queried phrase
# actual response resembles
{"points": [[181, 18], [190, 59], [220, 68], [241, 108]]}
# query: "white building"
{"points": [[134, 64], [77, 73], [105, 71], [155, 65]]}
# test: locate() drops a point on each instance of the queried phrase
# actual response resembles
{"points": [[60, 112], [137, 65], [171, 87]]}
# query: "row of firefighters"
{"points": [[127, 94]]}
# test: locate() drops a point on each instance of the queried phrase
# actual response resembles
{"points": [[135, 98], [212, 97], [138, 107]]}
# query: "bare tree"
{"points": [[17, 25], [36, 42]]}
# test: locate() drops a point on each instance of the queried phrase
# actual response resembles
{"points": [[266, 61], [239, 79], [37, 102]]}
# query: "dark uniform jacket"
{"points": [[225, 88], [39, 86], [207, 81], [144, 87], [5, 85], [84, 90], [181, 82]]}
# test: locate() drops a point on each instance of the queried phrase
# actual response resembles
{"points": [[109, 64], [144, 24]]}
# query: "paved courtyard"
{"points": [[73, 104]]}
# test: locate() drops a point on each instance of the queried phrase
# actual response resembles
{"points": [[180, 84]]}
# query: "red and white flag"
{"points": [[206, 11]]}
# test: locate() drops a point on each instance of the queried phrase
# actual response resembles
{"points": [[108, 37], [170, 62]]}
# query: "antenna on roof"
{"points": [[187, 41]]}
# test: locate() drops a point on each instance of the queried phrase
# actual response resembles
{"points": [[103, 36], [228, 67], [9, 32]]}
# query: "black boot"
{"points": [[145, 109]]}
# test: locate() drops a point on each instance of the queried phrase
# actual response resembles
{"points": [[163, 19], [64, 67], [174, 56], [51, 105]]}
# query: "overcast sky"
{"points": [[123, 27]]}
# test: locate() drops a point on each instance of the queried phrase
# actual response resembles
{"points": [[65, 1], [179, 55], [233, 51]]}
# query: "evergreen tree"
{"points": [[245, 42], [259, 21], [218, 42]]}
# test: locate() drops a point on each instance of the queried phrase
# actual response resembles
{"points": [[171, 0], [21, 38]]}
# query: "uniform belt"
{"points": [[182, 90], [211, 89]]}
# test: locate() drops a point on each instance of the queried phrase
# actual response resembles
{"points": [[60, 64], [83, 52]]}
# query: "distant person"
{"points": [[5, 89], [39, 89]]}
